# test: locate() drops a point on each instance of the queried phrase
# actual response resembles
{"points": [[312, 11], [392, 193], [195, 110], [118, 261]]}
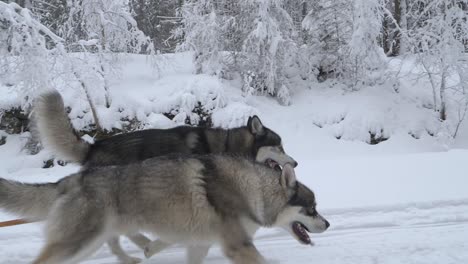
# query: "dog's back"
{"points": [[140, 145]]}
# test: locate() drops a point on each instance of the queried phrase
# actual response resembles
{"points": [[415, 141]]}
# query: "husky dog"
{"points": [[192, 200], [56, 133]]}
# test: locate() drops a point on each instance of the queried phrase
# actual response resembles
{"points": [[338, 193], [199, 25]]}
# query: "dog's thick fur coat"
{"points": [[193, 200]]}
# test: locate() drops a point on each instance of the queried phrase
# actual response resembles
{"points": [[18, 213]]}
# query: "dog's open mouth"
{"points": [[273, 164], [301, 233]]}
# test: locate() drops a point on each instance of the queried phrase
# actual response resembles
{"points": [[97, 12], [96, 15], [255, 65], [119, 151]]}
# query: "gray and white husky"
{"points": [[195, 200], [56, 133]]}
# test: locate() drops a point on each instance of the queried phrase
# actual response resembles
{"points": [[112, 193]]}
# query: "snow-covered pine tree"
{"points": [[252, 38], [202, 31], [344, 39], [363, 52], [329, 24], [268, 48]]}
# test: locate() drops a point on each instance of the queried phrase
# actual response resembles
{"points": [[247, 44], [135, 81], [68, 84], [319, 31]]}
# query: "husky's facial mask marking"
{"points": [[268, 145], [301, 216], [274, 155]]}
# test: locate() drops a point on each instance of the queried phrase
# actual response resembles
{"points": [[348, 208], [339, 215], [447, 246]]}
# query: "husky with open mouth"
{"points": [[194, 200], [57, 135]]}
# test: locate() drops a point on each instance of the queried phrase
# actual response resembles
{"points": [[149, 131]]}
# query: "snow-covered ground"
{"points": [[404, 200]]}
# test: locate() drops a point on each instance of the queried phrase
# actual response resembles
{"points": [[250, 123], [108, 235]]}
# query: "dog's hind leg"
{"points": [[196, 254], [61, 252], [71, 246], [75, 229], [155, 247], [114, 245]]}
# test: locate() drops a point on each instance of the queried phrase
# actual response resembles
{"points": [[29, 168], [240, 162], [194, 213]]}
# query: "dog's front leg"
{"points": [[196, 254], [238, 246]]}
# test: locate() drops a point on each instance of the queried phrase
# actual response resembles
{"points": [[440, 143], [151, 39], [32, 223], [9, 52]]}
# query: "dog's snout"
{"points": [[327, 224], [295, 164]]}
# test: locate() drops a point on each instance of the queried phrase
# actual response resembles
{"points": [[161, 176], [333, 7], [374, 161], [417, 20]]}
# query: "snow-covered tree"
{"points": [[25, 57], [344, 38], [202, 30], [108, 21], [363, 53], [329, 24], [439, 38], [268, 48], [252, 38], [52, 13], [100, 30], [157, 19]]}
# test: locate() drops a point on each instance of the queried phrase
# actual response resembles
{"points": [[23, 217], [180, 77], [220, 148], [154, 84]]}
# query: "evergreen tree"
{"points": [[329, 24], [256, 43]]}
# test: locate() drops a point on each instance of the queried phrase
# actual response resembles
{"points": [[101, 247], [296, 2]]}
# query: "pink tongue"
{"points": [[301, 233], [272, 163]]}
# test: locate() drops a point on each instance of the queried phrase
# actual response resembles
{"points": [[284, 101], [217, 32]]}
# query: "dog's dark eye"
{"points": [[309, 212], [312, 212]]}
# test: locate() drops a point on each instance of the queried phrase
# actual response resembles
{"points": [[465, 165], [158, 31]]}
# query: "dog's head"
{"points": [[267, 143], [300, 216]]}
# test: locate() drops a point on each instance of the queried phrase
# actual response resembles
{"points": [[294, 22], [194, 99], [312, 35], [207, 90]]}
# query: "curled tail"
{"points": [[55, 130], [32, 201]]}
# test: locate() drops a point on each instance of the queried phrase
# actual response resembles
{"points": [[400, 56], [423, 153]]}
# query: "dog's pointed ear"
{"points": [[255, 125], [288, 176]]}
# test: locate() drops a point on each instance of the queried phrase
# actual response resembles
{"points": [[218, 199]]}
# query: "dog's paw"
{"points": [[154, 247], [148, 252], [131, 260]]}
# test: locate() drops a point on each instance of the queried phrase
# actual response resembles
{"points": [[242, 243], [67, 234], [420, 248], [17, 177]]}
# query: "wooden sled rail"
{"points": [[14, 222]]}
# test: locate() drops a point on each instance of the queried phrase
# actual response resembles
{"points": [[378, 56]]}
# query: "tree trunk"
{"points": [[397, 34], [403, 47], [443, 106], [385, 31], [91, 103], [303, 15], [304, 9]]}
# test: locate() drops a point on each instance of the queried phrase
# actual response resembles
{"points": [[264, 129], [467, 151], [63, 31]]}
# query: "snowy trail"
{"points": [[410, 208], [413, 233]]}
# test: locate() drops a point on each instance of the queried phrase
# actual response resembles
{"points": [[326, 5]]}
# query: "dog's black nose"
{"points": [[327, 224], [295, 164]]}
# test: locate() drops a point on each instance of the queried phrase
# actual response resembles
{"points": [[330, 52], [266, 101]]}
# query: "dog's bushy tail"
{"points": [[32, 201], [55, 130]]}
